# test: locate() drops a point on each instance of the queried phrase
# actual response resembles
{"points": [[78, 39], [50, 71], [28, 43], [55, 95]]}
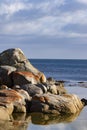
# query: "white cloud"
{"points": [[49, 5], [11, 8], [82, 1], [48, 25], [45, 24]]}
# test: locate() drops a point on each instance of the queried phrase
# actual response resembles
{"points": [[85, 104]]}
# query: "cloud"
{"points": [[13, 7], [82, 1], [9, 8], [50, 5], [41, 18], [48, 25]]}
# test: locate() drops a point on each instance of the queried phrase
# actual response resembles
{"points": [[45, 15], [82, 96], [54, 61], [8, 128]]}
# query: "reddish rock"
{"points": [[13, 101], [23, 77]]}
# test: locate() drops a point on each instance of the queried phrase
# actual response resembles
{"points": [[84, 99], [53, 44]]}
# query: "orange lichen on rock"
{"points": [[28, 77]]}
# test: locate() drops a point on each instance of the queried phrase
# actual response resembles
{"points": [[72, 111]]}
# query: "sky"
{"points": [[52, 29]]}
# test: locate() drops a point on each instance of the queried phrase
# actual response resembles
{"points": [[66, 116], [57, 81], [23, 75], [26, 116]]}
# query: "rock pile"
{"points": [[23, 88]]}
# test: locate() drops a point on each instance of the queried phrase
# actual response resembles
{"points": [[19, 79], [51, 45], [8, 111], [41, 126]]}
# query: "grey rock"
{"points": [[43, 87], [32, 89]]}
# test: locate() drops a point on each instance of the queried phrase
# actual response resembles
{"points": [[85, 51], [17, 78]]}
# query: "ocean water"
{"points": [[67, 70]]}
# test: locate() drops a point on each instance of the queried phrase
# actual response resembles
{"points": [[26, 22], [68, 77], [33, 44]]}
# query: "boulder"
{"points": [[5, 75], [55, 87], [32, 89], [23, 77], [13, 101], [50, 103], [16, 58], [42, 86]]}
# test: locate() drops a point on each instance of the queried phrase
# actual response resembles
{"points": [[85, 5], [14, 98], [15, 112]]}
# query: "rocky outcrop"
{"points": [[23, 89], [16, 58]]}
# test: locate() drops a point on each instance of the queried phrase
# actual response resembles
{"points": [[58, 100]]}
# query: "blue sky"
{"points": [[45, 28]]}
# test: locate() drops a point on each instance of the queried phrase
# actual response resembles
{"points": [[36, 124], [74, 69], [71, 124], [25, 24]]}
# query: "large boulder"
{"points": [[16, 58], [50, 103]]}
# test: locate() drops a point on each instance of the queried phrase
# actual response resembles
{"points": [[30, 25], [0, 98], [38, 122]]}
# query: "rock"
{"points": [[43, 87], [16, 58], [52, 89], [13, 101], [24, 94], [5, 75], [50, 80], [50, 103], [55, 87], [60, 88], [32, 89], [84, 101], [3, 87], [23, 77]]}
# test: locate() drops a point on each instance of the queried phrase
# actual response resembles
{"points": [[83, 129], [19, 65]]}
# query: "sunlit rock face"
{"points": [[12, 101], [50, 103]]}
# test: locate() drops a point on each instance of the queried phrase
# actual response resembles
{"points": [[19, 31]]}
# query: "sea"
{"points": [[59, 69]]}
